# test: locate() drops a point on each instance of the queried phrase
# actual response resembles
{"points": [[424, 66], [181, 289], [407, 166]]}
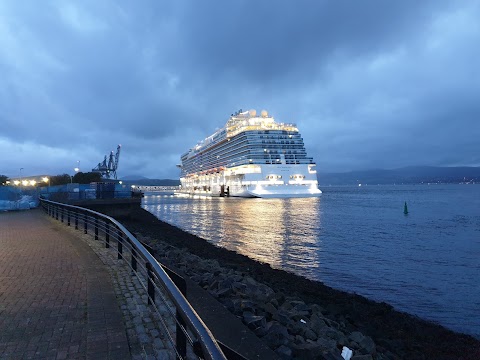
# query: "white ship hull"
{"points": [[263, 181]]}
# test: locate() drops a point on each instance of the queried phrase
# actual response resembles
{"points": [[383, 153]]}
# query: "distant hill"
{"points": [[133, 177], [406, 175]]}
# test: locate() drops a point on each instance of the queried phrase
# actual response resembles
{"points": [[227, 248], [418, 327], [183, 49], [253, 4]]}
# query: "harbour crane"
{"points": [[109, 169]]}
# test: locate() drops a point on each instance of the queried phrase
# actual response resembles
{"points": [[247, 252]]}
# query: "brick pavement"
{"points": [[56, 296]]}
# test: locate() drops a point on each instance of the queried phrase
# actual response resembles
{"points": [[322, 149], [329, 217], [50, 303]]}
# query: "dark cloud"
{"points": [[370, 84]]}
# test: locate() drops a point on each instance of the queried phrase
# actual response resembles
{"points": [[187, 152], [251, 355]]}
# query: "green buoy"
{"points": [[405, 209]]}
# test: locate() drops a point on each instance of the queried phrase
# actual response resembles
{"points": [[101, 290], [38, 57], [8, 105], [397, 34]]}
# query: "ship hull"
{"points": [[274, 181]]}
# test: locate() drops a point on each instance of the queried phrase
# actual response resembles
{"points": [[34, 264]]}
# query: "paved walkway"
{"points": [[56, 297]]}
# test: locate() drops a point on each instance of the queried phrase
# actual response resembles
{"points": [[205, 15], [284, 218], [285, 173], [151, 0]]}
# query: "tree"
{"points": [[87, 178], [60, 179], [3, 179]]}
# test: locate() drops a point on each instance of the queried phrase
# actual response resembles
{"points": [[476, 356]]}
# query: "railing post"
{"points": [[76, 219], [96, 228], [84, 223], [119, 244], [107, 234], [68, 217], [61, 214], [150, 287], [56, 212], [134, 259]]}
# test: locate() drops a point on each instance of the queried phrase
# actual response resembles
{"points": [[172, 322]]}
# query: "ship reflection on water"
{"points": [[281, 232]]}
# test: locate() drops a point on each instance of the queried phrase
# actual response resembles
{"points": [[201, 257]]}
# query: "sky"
{"points": [[370, 84]]}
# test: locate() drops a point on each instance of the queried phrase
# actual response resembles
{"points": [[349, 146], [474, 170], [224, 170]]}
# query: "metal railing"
{"points": [[190, 329]]}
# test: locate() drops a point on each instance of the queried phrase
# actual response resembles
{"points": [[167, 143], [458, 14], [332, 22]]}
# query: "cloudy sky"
{"points": [[370, 84]]}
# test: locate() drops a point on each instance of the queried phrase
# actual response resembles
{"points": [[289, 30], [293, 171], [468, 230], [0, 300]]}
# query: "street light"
{"points": [[76, 169]]}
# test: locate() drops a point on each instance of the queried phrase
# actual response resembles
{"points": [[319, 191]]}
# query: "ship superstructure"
{"points": [[251, 156]]}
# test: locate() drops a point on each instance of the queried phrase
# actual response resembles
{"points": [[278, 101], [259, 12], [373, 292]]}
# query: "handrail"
{"points": [[210, 347]]}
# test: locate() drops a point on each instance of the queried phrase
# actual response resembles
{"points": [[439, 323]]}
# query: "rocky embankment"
{"points": [[294, 316]]}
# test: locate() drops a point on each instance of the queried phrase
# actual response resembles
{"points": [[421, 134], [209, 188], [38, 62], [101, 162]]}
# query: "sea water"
{"points": [[357, 239]]}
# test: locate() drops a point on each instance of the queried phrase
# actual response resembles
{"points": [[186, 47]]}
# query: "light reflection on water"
{"points": [[358, 240], [281, 232]]}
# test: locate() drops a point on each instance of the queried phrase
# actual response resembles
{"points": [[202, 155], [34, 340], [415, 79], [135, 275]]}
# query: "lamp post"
{"points": [[76, 169]]}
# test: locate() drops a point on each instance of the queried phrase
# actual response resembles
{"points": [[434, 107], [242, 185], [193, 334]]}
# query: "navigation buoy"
{"points": [[405, 209]]}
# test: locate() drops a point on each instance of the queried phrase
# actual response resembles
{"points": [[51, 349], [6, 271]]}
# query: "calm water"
{"points": [[358, 239]]}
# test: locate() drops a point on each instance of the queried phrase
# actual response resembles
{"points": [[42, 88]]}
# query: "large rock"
{"points": [[356, 336], [276, 336], [313, 350], [283, 317], [253, 321], [284, 352], [362, 357], [367, 346], [317, 324]]}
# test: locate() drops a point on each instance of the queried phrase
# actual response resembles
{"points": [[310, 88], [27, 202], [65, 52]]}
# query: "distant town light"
{"points": [[24, 182], [32, 182], [16, 182], [45, 179]]}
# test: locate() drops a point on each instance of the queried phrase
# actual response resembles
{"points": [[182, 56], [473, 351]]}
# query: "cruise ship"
{"points": [[251, 156]]}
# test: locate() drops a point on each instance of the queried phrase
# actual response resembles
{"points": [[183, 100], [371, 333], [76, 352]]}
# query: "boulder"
{"points": [[367, 346], [362, 357], [253, 321], [284, 352], [276, 336], [356, 336]]}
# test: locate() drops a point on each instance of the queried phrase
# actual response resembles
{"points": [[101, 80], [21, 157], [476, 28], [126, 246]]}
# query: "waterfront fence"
{"points": [[190, 329]]}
